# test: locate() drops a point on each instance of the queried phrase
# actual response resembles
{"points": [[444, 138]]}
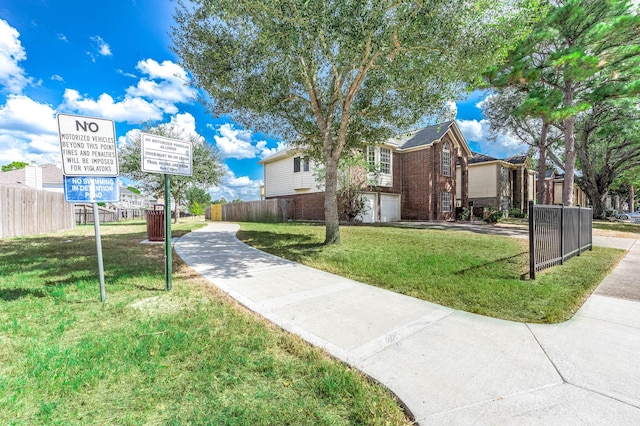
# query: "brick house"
{"points": [[417, 178]]}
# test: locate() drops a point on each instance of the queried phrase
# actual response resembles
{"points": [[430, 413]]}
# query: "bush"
{"points": [[516, 213], [492, 215], [463, 213]]}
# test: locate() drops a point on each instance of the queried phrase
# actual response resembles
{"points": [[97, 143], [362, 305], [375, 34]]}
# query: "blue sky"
{"points": [[112, 59]]}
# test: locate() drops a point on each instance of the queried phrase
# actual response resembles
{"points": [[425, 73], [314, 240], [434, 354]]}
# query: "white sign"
{"points": [[88, 146], [164, 155]]}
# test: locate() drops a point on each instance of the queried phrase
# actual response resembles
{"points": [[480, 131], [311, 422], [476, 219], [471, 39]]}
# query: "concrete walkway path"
{"points": [[448, 366]]}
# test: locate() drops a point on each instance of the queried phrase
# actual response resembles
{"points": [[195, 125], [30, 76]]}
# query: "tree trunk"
{"points": [[632, 199], [331, 219], [542, 165], [569, 148], [598, 206]]}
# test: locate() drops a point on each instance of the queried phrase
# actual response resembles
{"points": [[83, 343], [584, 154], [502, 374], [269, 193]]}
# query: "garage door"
{"points": [[370, 214], [389, 207]]}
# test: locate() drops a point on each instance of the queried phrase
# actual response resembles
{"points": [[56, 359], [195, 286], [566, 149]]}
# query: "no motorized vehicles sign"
{"points": [[88, 146]]}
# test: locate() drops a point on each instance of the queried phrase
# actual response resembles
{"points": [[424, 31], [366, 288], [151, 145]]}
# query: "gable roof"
{"points": [[51, 174], [480, 158], [13, 177], [427, 135]]}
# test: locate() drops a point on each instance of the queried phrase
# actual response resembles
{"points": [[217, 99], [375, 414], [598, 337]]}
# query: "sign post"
{"points": [[169, 157], [88, 148]]}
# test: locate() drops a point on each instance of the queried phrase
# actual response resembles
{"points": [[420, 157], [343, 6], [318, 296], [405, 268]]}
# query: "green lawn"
{"points": [[476, 273], [191, 356]]}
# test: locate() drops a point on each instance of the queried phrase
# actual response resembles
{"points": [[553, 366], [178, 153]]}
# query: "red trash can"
{"points": [[155, 225]]}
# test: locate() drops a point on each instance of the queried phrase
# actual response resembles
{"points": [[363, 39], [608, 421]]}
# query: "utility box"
{"points": [[155, 225]]}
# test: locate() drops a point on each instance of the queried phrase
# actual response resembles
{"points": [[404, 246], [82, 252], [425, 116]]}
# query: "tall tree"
{"points": [[332, 75], [608, 147], [583, 52], [520, 115], [206, 170], [197, 199]]}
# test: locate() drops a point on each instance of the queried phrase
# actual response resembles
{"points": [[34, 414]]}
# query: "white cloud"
{"points": [[23, 114], [130, 109], [477, 131], [57, 77], [168, 82], [12, 76], [234, 187], [102, 46], [62, 37], [471, 129], [265, 152], [126, 74], [238, 144], [28, 131]]}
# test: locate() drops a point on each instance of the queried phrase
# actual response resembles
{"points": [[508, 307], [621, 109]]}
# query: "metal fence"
{"points": [[27, 211], [84, 214], [557, 233]]}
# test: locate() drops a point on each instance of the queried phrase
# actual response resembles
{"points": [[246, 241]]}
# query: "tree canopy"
{"points": [[16, 165], [206, 170], [332, 75], [583, 53]]}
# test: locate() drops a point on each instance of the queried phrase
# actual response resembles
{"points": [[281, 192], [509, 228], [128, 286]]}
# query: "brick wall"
{"points": [[423, 183], [306, 206]]}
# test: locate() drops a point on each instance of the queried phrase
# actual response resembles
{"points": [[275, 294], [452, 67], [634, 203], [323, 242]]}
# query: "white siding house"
{"points": [[287, 172]]}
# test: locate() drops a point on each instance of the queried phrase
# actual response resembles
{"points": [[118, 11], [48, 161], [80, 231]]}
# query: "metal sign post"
{"points": [[90, 168], [167, 232], [96, 227], [159, 154]]}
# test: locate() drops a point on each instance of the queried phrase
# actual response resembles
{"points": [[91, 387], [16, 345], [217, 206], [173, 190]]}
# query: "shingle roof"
{"points": [[517, 159], [13, 177], [480, 158], [427, 135], [51, 174]]}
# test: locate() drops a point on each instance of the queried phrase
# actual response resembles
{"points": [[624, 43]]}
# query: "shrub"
{"points": [[516, 213], [492, 215], [463, 213]]}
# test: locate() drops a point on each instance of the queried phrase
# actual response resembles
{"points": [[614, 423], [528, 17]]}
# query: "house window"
{"points": [[445, 202], [300, 163], [446, 159], [371, 157], [385, 161]]}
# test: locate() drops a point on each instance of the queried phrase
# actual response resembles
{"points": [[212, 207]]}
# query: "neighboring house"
{"points": [[131, 200], [416, 177], [47, 177], [503, 184], [553, 183]]}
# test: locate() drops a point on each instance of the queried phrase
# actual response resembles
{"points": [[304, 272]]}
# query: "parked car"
{"points": [[628, 216]]}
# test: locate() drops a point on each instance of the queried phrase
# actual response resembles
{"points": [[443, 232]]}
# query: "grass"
{"points": [[477, 273], [147, 356]]}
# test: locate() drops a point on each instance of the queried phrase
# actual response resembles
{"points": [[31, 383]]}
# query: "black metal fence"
{"points": [[557, 233]]}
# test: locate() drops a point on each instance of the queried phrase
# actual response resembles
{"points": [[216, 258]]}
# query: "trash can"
{"points": [[155, 225]]}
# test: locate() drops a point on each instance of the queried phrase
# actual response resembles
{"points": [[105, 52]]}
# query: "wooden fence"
{"points": [[557, 233], [275, 210], [26, 211]]}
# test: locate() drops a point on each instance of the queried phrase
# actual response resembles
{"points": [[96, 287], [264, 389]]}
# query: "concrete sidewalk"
{"points": [[446, 366]]}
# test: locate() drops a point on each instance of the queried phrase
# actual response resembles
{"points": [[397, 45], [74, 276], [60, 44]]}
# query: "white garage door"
{"points": [[389, 207], [370, 213]]}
